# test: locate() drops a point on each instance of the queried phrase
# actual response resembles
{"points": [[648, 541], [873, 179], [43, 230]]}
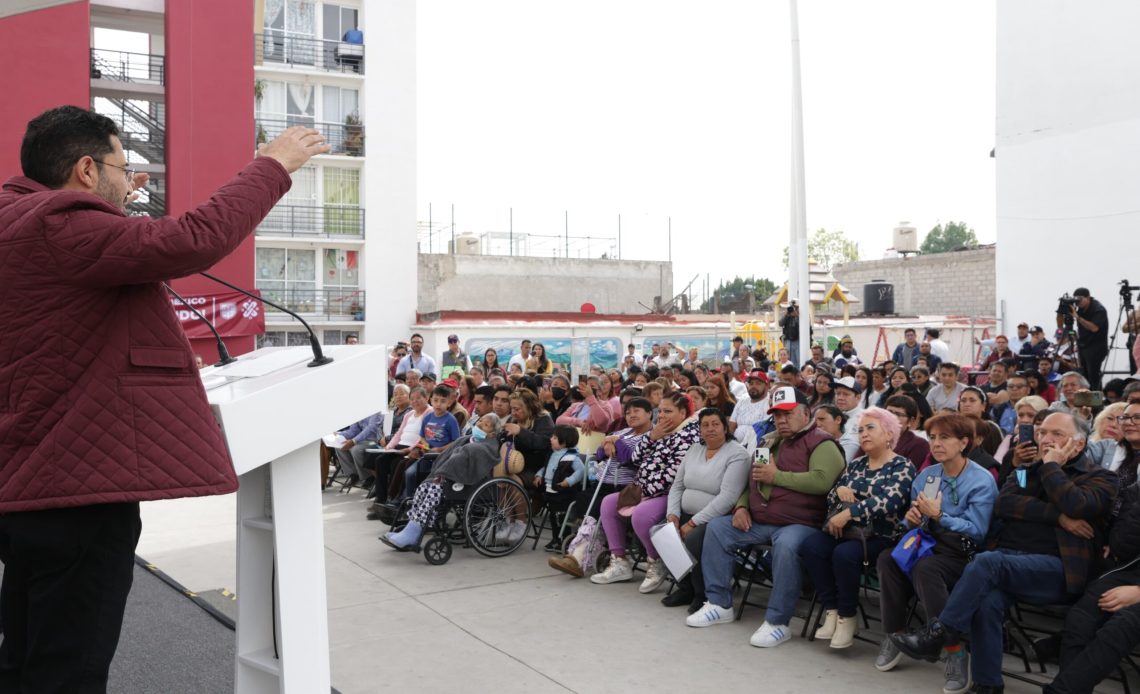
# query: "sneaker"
{"points": [[567, 565], [620, 569], [957, 672], [827, 629], [515, 532], [654, 576], [845, 630], [554, 545], [770, 635], [710, 614], [889, 656]]}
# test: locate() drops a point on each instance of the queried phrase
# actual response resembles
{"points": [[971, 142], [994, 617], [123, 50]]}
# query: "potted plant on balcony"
{"points": [[353, 135]]}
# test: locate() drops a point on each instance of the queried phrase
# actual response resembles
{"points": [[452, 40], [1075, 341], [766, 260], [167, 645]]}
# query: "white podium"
{"points": [[274, 409]]}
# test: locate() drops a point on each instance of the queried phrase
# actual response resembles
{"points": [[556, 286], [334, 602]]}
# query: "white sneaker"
{"points": [[827, 629], [770, 635], [654, 576], [709, 615], [620, 569], [516, 532], [845, 630]]}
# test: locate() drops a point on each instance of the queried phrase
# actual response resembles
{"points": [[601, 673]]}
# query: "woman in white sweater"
{"points": [[709, 480]]}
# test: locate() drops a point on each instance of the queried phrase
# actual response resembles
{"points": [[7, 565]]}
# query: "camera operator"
{"points": [[791, 327], [1092, 334], [1132, 327]]}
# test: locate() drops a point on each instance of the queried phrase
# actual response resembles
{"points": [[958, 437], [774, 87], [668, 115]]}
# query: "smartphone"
{"points": [[932, 486], [581, 380], [1025, 433], [546, 382], [1088, 398], [762, 456]]}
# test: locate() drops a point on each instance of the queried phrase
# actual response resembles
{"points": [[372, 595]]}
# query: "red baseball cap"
{"points": [[758, 375]]}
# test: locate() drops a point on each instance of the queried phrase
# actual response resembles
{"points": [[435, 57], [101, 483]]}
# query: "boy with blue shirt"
{"points": [[437, 430]]}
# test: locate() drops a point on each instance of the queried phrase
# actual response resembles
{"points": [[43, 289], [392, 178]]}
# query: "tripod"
{"points": [[1127, 312]]}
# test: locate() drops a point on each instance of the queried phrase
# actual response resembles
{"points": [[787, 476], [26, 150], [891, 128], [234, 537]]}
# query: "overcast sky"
{"points": [[659, 109]]}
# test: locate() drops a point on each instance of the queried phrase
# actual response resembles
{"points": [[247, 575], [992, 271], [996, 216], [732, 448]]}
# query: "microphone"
{"points": [[223, 353], [319, 358]]}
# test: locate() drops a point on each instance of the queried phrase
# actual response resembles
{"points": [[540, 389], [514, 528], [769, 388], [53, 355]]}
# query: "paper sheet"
{"points": [[672, 549], [334, 440]]}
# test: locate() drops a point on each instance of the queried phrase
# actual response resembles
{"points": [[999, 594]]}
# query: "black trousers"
{"points": [[694, 581], [67, 573], [585, 495], [1092, 359], [931, 579], [1094, 642]]}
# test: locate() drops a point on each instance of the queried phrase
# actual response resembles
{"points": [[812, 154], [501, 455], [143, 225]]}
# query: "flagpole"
{"points": [[798, 262]]}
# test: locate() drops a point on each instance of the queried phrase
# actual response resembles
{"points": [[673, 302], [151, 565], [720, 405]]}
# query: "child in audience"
{"points": [[559, 478], [438, 429]]}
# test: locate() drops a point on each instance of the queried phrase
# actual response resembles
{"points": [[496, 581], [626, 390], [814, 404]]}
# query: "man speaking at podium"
{"points": [[100, 404]]}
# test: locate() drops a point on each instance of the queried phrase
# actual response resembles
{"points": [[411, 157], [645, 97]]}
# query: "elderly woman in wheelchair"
{"points": [[473, 490]]}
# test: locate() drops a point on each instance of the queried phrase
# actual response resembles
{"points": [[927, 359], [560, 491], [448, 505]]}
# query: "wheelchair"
{"points": [[477, 516]]}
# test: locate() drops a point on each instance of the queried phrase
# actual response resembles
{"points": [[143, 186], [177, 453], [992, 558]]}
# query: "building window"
{"points": [[342, 214], [339, 103], [341, 268], [337, 20], [288, 276]]}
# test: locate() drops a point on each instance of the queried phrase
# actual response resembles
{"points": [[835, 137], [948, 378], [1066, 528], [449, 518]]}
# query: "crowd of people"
{"points": [[967, 495]]}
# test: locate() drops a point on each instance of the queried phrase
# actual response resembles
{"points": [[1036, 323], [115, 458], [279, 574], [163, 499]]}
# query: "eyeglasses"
{"points": [[129, 173], [1128, 419]]}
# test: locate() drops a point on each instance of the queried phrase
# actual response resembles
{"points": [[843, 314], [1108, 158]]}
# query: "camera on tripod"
{"points": [[1126, 290], [1065, 306]]}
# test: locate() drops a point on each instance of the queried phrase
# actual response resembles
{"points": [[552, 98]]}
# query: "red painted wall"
{"points": [[209, 124], [46, 60]]}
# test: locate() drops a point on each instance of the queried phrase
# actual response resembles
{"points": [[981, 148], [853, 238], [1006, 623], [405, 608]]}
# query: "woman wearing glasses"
{"points": [[869, 498], [957, 515]]}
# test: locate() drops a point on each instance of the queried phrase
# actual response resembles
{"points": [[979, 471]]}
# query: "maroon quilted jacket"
{"points": [[99, 398]]}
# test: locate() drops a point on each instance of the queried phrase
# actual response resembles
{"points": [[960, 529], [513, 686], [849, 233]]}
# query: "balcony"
{"points": [[346, 138], [120, 66], [314, 221], [327, 304], [307, 52]]}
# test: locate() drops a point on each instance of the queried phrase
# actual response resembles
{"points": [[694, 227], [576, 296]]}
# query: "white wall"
{"points": [[1068, 155], [389, 177]]}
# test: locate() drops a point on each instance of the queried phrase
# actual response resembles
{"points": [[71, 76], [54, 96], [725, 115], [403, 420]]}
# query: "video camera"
{"points": [[1065, 306], [1126, 293]]}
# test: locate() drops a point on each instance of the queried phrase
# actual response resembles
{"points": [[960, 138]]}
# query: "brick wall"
{"points": [[955, 283]]}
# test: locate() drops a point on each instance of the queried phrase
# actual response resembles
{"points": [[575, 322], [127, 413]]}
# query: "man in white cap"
{"points": [[847, 391]]}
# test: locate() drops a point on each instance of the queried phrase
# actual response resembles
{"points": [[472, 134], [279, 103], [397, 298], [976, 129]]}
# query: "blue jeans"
{"points": [[990, 584], [836, 567], [793, 347], [718, 559]]}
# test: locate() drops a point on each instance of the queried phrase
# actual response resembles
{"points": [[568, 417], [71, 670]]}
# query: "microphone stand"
{"points": [[223, 353], [319, 358]]}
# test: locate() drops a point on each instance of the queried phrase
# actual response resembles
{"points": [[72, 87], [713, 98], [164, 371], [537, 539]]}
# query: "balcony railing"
{"points": [[329, 304], [308, 52], [345, 138], [120, 66], [309, 221]]}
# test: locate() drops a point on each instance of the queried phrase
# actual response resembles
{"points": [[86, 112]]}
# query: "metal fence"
{"points": [[308, 52], [442, 239], [121, 66], [309, 221], [345, 138], [331, 304]]}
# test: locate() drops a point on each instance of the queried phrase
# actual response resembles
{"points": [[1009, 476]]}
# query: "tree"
{"points": [[734, 292], [951, 237], [829, 248]]}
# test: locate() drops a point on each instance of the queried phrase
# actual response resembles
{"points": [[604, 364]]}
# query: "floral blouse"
{"points": [[657, 461], [881, 496]]}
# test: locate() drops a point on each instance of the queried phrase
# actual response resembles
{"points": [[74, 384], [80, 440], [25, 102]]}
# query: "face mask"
{"points": [[478, 434], [558, 393]]}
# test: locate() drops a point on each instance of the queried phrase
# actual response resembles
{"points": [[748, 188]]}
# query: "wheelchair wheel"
{"points": [[437, 550], [491, 512]]}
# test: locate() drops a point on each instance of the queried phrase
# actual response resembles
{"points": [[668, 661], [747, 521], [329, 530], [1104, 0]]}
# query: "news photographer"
{"points": [[1090, 318], [790, 323]]}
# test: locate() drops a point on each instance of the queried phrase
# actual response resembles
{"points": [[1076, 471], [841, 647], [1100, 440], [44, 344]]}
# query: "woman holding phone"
{"points": [[953, 500]]}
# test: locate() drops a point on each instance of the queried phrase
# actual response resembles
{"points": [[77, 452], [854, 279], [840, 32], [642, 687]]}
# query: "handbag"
{"points": [[915, 544], [851, 531], [628, 499]]}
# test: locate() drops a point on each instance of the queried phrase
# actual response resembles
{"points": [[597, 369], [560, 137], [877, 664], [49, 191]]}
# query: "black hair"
{"points": [[633, 392], [689, 375], [924, 410], [441, 390], [633, 370], [488, 392], [713, 412], [933, 332], [504, 388], [652, 371], [790, 369], [414, 336], [836, 413], [640, 403], [905, 403], [566, 435], [58, 138]]}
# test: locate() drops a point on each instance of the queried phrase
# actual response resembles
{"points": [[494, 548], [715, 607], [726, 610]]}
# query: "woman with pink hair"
{"points": [[865, 508]]}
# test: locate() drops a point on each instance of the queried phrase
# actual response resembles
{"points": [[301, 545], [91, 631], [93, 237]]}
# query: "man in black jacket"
{"points": [[1104, 625], [1092, 335]]}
